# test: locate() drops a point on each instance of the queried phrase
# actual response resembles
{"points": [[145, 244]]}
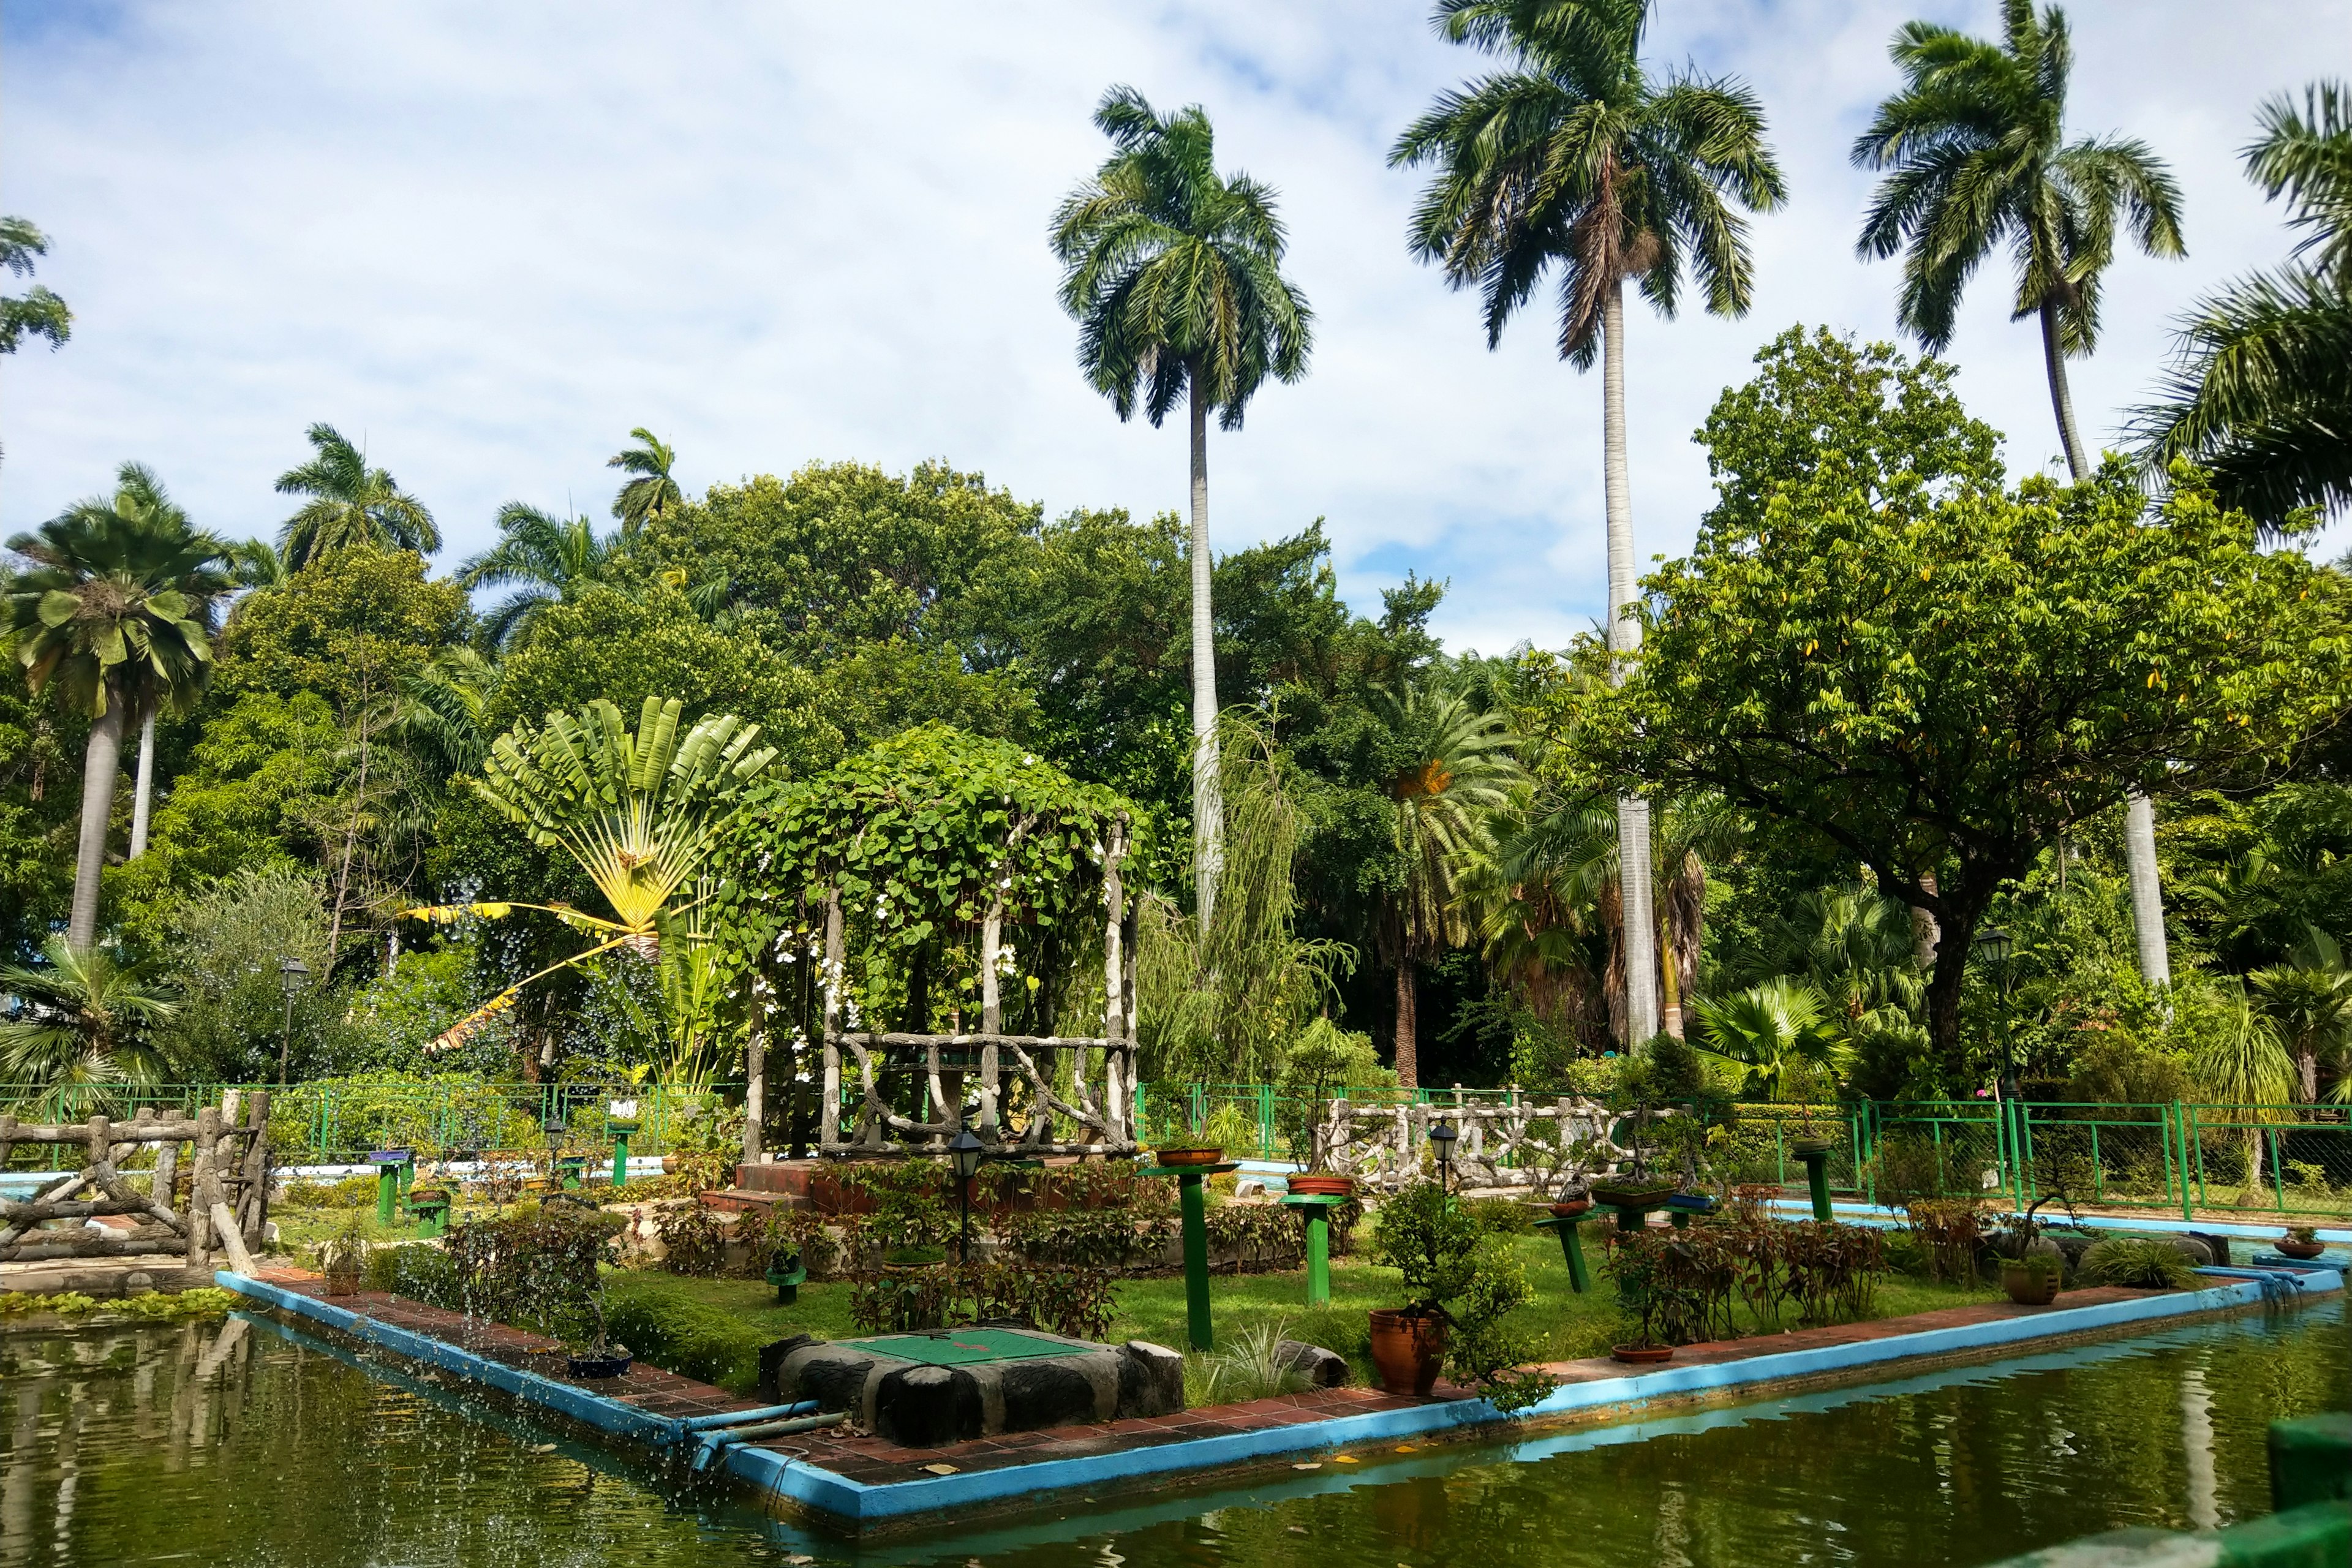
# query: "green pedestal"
{"points": [[569, 1170], [1317, 1212], [431, 1216], [387, 1193], [1571, 1247], [1193, 1202], [621, 1130], [2311, 1461], [1817, 1179]]}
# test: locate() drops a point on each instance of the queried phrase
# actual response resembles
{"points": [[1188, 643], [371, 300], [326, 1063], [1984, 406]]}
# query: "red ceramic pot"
{"points": [[1574, 1210], [1642, 1355], [1322, 1186], [1189, 1156], [1408, 1350]]}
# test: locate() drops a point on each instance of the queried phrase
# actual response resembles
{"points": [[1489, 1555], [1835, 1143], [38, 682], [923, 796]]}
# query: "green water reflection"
{"points": [[246, 1444]]}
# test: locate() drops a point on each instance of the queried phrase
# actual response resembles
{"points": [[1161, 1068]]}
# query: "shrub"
{"points": [[1456, 1270], [1906, 1254], [694, 1242], [1952, 1229], [1502, 1216], [2145, 1261], [692, 1339], [1072, 1301], [1248, 1367]]}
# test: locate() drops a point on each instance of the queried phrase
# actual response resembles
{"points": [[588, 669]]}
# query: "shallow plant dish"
{"points": [[1322, 1186], [611, 1363], [1575, 1208], [1803, 1146], [1642, 1355], [1189, 1156], [1648, 1196], [2300, 1242]]}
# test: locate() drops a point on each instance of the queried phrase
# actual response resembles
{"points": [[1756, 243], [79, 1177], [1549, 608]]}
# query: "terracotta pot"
{"points": [[1189, 1156], [2025, 1287], [340, 1284], [1572, 1209], [1801, 1146], [2303, 1249], [1322, 1186], [1642, 1355], [669, 1164], [1408, 1352]]}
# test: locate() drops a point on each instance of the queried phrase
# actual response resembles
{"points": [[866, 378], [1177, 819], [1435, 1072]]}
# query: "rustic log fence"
{"points": [[1527, 1143], [226, 1206]]}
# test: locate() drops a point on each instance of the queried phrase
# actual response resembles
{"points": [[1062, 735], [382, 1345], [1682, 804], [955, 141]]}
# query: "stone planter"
{"points": [[1408, 1352]]}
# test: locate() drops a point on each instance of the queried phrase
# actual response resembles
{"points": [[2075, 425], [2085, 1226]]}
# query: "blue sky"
{"points": [[489, 240]]}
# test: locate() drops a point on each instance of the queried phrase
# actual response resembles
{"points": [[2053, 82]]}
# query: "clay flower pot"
{"points": [[669, 1164], [2305, 1250], [1642, 1355], [1408, 1352], [1573, 1209], [342, 1282], [1803, 1146], [1322, 1186], [2027, 1288], [1189, 1156]]}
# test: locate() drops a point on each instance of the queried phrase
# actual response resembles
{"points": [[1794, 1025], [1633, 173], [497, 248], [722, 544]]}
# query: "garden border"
{"points": [[859, 1504]]}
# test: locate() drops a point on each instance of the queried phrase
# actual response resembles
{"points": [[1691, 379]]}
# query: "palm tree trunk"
{"points": [[142, 801], [1207, 801], [1640, 926], [99, 762], [2140, 819], [1408, 1026]]}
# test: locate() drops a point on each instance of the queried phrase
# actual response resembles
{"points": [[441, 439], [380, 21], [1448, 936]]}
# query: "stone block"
{"points": [[1150, 1379], [1322, 1368]]}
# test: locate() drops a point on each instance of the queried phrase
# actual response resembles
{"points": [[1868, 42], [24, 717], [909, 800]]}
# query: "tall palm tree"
{"points": [[1574, 156], [116, 611], [140, 504], [1774, 1029], [552, 559], [81, 1032], [1455, 768], [349, 504], [2242, 1067], [38, 313], [2262, 392], [653, 493], [1976, 155], [1173, 274]]}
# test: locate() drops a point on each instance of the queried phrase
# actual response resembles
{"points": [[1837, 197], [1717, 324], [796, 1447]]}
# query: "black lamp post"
{"points": [[1997, 946], [290, 976], [964, 1153], [554, 1125], [1440, 1138]]}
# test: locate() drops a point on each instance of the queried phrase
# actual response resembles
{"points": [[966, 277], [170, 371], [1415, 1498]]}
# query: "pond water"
{"points": [[246, 1443]]}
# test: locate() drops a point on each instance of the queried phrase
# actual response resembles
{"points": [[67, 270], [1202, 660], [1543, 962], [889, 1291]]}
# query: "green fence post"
{"points": [[2180, 1130], [1265, 1120], [2278, 1170]]}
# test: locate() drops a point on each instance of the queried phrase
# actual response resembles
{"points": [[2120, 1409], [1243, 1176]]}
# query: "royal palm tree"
{"points": [[1454, 768], [140, 504], [1574, 158], [81, 1033], [116, 612], [1976, 158], [256, 563], [653, 493], [38, 313], [550, 558], [1173, 274], [2261, 392], [349, 504]]}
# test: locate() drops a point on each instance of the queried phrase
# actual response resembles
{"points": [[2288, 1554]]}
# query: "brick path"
{"points": [[874, 1462]]}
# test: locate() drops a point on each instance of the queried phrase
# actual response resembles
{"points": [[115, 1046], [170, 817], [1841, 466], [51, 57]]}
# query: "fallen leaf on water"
{"points": [[1407, 1448], [1317, 1465], [940, 1469], [1345, 1459], [542, 1447]]}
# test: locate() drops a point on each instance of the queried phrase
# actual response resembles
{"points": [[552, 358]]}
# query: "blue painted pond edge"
{"points": [[858, 1503]]}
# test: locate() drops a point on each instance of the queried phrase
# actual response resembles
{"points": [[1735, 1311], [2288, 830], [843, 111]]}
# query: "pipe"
{"points": [[737, 1417], [711, 1445]]}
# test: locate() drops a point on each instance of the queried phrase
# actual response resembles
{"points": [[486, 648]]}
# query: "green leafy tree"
{"points": [[1976, 149], [2309, 999], [1936, 675], [1174, 275], [1780, 1027], [116, 609], [2261, 391], [350, 504], [226, 942], [1456, 767], [652, 492], [36, 313], [1573, 157], [83, 1031]]}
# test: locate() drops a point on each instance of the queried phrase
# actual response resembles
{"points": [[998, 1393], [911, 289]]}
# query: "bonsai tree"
{"points": [[1322, 1061], [1463, 1275]]}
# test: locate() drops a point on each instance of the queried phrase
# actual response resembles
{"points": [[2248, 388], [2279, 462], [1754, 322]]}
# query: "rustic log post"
{"points": [[829, 1110], [239, 1260], [200, 1240], [1131, 1073], [167, 1170], [8, 1138], [755, 1060], [253, 1203]]}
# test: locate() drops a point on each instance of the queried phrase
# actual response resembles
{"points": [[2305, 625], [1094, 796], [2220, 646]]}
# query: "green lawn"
{"points": [[713, 1329]]}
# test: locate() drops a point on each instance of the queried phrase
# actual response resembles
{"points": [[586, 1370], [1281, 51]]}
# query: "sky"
{"points": [[487, 241]]}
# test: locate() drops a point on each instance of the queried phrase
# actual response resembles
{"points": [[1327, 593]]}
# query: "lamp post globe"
{"points": [[291, 974], [964, 1153]]}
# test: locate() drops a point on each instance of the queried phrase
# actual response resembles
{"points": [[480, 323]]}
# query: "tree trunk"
{"points": [[1208, 800], [1408, 1025], [1924, 936], [99, 762], [2146, 890], [2139, 819], [1634, 871], [1944, 987], [141, 803], [755, 1059], [2306, 1070]]}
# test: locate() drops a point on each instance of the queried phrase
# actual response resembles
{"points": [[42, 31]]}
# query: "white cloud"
{"points": [[492, 239]]}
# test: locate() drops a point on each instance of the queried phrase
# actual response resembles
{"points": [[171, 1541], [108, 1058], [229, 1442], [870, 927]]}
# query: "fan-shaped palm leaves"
{"points": [[349, 504], [1456, 768], [118, 613], [38, 313], [1977, 158], [2261, 394], [639, 813], [550, 558], [2243, 1068], [1573, 157], [653, 493], [1173, 274], [80, 1032], [1773, 1030], [2309, 1000]]}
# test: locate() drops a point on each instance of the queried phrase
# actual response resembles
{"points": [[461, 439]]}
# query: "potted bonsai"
{"points": [[1646, 1300], [1462, 1281], [2031, 1279], [1314, 1073], [342, 1256], [2301, 1241]]}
